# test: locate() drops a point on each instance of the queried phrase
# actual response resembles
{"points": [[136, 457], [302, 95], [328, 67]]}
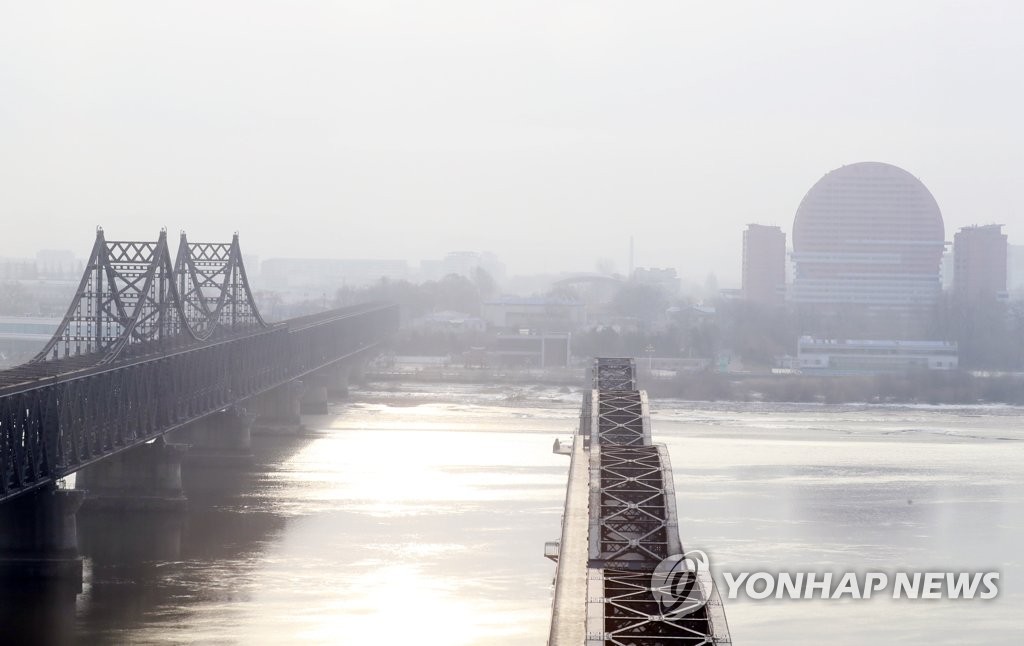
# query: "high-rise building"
{"points": [[764, 263], [868, 234], [946, 270], [979, 269]]}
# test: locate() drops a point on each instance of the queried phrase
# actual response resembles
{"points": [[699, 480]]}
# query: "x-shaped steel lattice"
{"points": [[632, 615], [621, 418], [131, 296], [633, 509], [614, 374], [214, 288]]}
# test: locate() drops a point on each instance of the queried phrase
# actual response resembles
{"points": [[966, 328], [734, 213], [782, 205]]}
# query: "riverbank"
{"points": [[913, 388], [460, 375]]}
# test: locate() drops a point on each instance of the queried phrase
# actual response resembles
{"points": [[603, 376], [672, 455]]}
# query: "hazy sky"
{"points": [[547, 132]]}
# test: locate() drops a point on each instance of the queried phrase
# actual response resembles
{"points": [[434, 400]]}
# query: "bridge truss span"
{"points": [[131, 294], [148, 347], [214, 288], [631, 527], [634, 519]]}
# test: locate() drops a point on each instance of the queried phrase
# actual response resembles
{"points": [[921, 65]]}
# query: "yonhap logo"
{"points": [[676, 583], [682, 584]]}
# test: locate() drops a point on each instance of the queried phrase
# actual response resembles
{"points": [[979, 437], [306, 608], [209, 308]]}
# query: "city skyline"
{"points": [[22, 264], [566, 322], [359, 129], [614, 257]]}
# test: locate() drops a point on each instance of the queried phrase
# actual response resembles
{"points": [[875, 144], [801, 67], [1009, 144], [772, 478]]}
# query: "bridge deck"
{"points": [[568, 622], [62, 414], [30, 374]]}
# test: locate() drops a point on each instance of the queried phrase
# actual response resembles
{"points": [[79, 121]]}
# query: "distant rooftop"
{"points": [[532, 300]]}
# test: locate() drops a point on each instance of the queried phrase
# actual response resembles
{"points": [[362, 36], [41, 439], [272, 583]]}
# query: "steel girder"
{"points": [[633, 523], [622, 418], [634, 506], [126, 296], [214, 288], [632, 617], [587, 419], [52, 427], [131, 294], [614, 374]]}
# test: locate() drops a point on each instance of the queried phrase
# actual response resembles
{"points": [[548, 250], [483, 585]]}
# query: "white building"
{"points": [[871, 357], [21, 337]]}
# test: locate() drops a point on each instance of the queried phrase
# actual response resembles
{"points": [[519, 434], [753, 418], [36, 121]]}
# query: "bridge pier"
{"points": [[314, 396], [336, 380], [222, 439], [39, 541], [145, 478], [279, 409], [40, 566], [357, 372], [111, 538]]}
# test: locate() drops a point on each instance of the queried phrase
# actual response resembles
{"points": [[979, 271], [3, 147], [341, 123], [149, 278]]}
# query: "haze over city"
{"points": [[508, 323], [544, 132]]}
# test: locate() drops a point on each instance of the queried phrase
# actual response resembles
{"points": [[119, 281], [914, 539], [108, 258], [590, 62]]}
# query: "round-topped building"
{"points": [[868, 234]]}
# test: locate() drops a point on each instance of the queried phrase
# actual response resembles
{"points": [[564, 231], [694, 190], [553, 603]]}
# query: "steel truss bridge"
{"points": [[151, 343], [620, 523]]}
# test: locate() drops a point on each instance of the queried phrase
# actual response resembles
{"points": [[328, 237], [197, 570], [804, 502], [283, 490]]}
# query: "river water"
{"points": [[417, 514]]}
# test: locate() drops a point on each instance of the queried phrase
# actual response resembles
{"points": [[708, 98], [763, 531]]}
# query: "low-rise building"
{"points": [[666, 280], [531, 350], [543, 313], [448, 320], [21, 337], [838, 356]]}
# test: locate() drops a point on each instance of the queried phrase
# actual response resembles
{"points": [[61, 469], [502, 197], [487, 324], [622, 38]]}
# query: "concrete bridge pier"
{"points": [[330, 384], [40, 566], [278, 410], [336, 380], [110, 538], [314, 396], [37, 615], [39, 542], [222, 439], [144, 478], [357, 372]]}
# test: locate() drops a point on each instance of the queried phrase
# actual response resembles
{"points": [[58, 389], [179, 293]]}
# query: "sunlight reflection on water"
{"points": [[421, 516]]}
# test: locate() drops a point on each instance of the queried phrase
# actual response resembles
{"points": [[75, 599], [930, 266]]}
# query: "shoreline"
{"points": [[919, 388]]}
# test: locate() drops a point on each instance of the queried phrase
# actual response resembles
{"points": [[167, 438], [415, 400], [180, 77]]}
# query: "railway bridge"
{"points": [[620, 529], [158, 358]]}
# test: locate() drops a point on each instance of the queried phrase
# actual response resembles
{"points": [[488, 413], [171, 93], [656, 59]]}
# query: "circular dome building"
{"points": [[869, 234]]}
